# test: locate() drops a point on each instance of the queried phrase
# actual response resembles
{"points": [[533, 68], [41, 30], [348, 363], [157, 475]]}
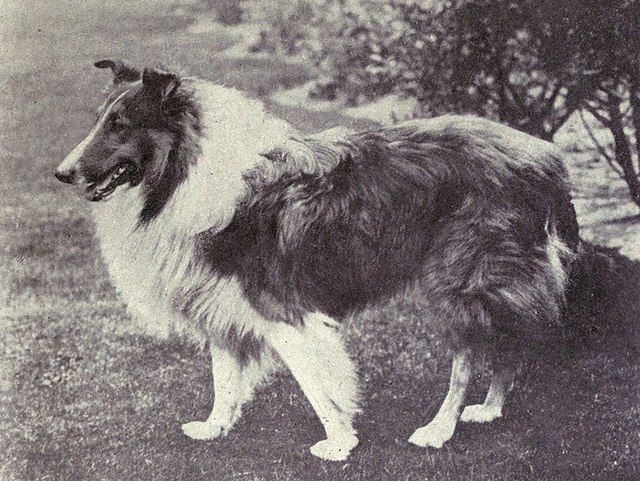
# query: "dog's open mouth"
{"points": [[122, 173]]}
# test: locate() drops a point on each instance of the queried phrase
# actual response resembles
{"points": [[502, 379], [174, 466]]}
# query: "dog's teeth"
{"points": [[119, 172]]}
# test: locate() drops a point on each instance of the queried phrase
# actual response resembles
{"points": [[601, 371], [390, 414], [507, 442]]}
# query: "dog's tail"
{"points": [[593, 286], [592, 278]]}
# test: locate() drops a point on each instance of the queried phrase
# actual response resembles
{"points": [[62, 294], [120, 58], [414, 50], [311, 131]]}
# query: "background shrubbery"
{"points": [[529, 63]]}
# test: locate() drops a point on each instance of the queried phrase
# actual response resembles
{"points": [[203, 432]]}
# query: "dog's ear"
{"points": [[121, 72], [160, 84]]}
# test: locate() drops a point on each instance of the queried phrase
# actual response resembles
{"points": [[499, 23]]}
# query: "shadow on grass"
{"points": [[93, 405], [89, 403]]}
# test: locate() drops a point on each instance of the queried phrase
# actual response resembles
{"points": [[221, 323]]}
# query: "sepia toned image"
{"points": [[333, 240]]}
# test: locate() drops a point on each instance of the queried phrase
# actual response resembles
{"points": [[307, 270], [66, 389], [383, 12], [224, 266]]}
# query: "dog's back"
{"points": [[477, 214]]}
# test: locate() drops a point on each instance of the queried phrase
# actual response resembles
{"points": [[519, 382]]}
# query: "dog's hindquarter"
{"points": [[497, 271]]}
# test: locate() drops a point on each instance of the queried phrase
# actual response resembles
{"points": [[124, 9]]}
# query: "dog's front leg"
{"points": [[233, 384], [316, 356]]}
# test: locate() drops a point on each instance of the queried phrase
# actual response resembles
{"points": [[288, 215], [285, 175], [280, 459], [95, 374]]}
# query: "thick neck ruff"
{"points": [[153, 264]]}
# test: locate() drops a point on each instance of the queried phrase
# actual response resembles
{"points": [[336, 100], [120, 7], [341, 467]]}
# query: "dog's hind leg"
{"points": [[233, 385], [317, 358], [441, 429], [501, 383]]}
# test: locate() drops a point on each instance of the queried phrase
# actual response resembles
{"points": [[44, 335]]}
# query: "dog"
{"points": [[221, 221]]}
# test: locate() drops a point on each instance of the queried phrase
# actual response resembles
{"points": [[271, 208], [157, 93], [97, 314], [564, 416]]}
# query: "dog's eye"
{"points": [[116, 122]]}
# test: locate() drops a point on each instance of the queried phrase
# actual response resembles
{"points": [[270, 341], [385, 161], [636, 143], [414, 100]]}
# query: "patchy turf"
{"points": [[85, 397]]}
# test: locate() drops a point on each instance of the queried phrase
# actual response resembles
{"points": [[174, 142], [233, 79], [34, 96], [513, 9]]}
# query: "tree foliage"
{"points": [[528, 63]]}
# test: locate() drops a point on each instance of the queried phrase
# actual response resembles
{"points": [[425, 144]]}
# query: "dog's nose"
{"points": [[66, 176]]}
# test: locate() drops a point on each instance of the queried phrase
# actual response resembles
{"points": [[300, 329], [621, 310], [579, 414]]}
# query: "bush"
{"points": [[286, 23], [363, 48], [487, 57], [518, 61], [528, 63]]}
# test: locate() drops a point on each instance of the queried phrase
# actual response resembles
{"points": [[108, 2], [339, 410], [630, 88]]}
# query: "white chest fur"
{"points": [[156, 272], [136, 260]]}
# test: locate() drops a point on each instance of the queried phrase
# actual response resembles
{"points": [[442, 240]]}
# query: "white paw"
{"points": [[334, 449], [433, 435], [479, 413], [203, 430]]}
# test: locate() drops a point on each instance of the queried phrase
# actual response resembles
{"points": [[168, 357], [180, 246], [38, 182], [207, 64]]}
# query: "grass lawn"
{"points": [[84, 396]]}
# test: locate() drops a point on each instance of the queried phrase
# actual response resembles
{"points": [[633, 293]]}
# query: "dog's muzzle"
{"points": [[66, 176]]}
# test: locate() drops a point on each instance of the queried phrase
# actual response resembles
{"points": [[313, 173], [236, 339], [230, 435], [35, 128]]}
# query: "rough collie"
{"points": [[219, 220]]}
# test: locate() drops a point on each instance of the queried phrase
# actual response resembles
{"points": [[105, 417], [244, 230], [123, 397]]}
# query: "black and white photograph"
{"points": [[296, 240]]}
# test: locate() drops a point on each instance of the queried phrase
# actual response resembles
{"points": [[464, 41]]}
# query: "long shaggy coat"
{"points": [[219, 220]]}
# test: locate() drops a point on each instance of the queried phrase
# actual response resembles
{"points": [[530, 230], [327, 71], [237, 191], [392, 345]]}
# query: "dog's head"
{"points": [[136, 136]]}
